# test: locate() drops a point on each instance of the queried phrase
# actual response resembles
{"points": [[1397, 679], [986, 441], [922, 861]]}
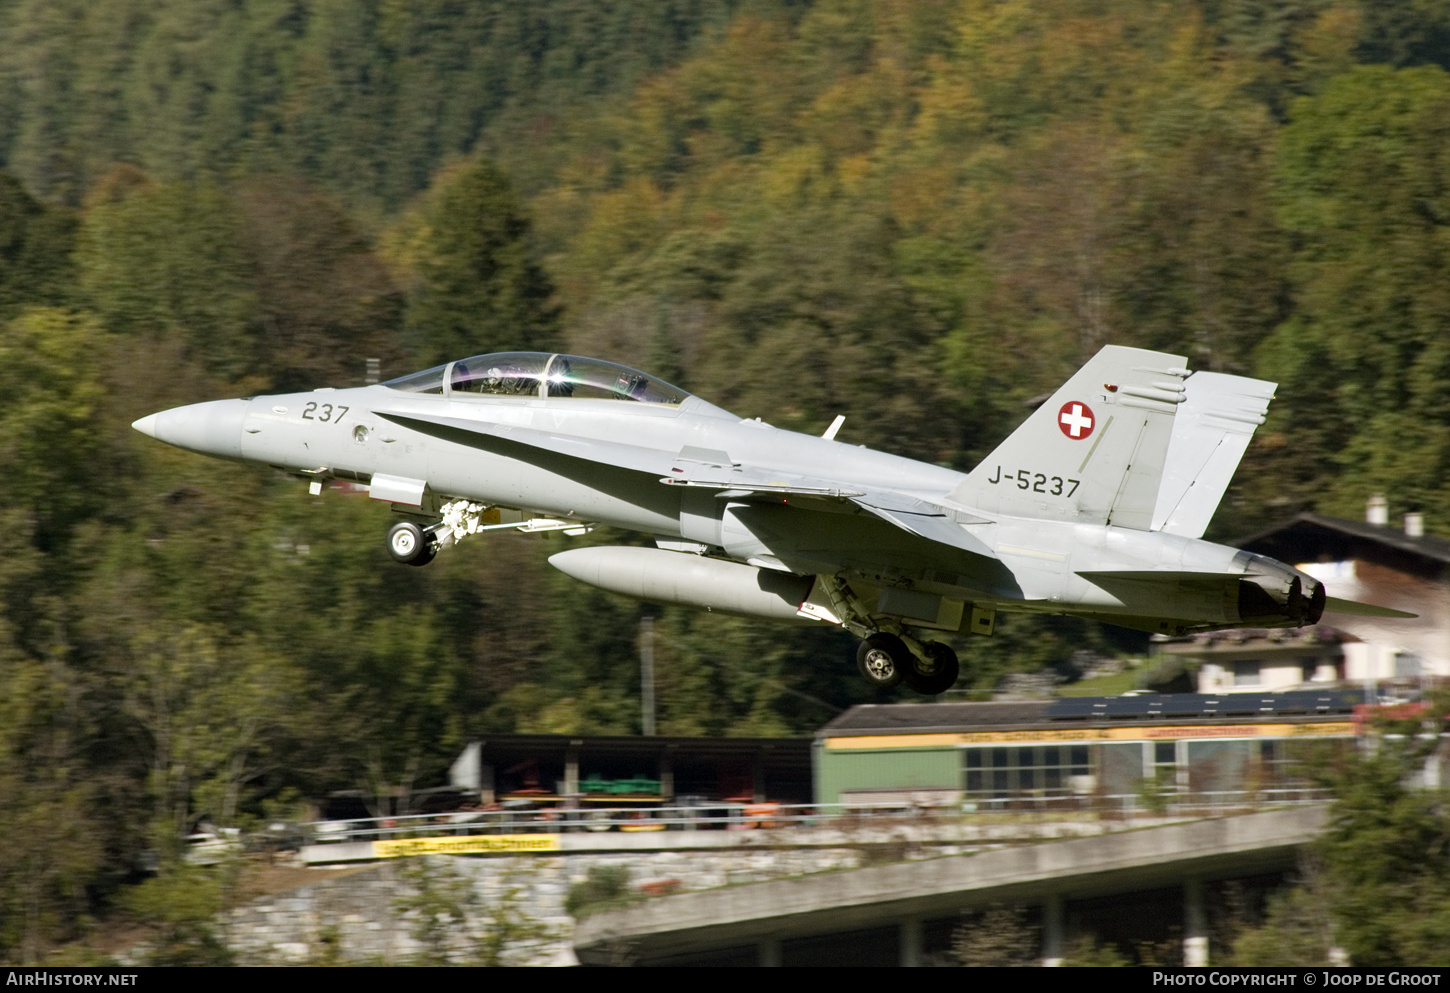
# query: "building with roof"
{"points": [[631, 769], [1263, 660], [1370, 562], [1070, 752]]}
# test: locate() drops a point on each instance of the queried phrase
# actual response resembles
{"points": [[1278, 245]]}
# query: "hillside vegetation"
{"points": [[918, 213]]}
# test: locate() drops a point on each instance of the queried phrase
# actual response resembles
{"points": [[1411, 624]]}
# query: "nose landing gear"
{"points": [[410, 544]]}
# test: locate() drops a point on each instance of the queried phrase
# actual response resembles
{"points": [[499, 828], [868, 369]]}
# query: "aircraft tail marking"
{"points": [[1094, 452]]}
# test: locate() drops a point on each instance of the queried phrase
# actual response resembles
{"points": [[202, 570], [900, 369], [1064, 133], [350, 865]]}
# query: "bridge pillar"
{"points": [[571, 768], [770, 952], [911, 942], [1195, 926], [1052, 931]]}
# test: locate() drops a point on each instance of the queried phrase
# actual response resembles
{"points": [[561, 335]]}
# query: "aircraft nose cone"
{"points": [[146, 425], [212, 428]]}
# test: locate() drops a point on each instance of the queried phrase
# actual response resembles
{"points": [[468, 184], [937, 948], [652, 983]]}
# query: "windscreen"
{"points": [[427, 381]]}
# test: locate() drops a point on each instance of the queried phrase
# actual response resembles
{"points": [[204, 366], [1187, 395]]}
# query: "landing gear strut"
{"points": [[410, 544]]}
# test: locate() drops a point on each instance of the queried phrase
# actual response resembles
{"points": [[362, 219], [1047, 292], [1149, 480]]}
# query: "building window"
{"points": [[1248, 673], [1407, 664], [1046, 770], [1164, 767]]}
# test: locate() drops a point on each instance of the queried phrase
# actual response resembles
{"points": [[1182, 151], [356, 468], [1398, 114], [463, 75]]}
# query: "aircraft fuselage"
{"points": [[361, 432]]}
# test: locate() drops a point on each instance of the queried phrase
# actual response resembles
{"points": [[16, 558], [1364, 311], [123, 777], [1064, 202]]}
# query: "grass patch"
{"points": [[1103, 685]]}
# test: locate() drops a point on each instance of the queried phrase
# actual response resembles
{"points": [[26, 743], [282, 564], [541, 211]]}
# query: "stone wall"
{"points": [[361, 917]]}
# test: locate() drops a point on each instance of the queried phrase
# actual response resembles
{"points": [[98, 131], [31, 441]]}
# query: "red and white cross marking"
{"points": [[1076, 420]]}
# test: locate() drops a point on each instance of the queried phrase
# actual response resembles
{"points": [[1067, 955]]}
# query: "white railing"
{"points": [[736, 816]]}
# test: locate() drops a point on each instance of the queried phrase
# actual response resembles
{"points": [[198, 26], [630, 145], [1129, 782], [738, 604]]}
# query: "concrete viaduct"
{"points": [[886, 911]]}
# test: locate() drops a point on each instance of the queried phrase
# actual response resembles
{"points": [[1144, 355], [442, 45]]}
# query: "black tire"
{"points": [[410, 544], [883, 660], [937, 675]]}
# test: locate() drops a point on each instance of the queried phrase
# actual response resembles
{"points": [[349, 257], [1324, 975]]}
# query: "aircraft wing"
{"points": [[716, 471], [924, 519], [689, 467]]}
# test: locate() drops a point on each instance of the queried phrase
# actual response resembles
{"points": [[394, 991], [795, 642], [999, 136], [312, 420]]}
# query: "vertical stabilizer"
{"points": [[1211, 431], [1095, 452]]}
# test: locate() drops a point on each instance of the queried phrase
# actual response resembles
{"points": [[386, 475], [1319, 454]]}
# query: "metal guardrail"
{"points": [[727, 816]]}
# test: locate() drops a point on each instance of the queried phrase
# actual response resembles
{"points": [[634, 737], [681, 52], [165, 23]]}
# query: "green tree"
{"points": [[179, 908], [602, 884], [456, 924], [996, 937], [51, 846], [168, 258], [1377, 887], [325, 300], [53, 459], [1387, 855], [479, 288], [1297, 929], [35, 248], [1362, 187]]}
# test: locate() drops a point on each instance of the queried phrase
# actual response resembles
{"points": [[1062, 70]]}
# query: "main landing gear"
{"points": [[885, 661], [887, 655]]}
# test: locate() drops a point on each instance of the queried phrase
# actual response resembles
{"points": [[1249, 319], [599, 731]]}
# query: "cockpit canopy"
{"points": [[540, 374]]}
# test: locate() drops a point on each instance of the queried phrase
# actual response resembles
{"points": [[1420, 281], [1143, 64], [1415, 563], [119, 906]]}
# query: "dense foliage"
{"points": [[918, 213], [1376, 888]]}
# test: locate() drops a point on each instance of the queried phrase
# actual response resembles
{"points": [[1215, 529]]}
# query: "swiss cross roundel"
{"points": [[1076, 420]]}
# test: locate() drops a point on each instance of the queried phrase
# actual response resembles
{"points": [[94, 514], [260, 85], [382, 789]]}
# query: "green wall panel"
{"points": [[894, 768]]}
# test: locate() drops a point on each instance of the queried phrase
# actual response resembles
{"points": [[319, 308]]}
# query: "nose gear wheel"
{"points": [[410, 544]]}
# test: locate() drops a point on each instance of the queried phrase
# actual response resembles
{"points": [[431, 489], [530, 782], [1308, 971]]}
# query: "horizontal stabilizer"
{"points": [[1337, 606]]}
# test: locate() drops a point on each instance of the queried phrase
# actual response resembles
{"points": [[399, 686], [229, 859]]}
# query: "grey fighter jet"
{"points": [[1095, 506]]}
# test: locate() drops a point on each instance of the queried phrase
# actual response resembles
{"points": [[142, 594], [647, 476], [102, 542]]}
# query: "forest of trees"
{"points": [[917, 213]]}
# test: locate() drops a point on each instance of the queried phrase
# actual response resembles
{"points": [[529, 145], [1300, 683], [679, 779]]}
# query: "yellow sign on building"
{"points": [[1332, 729], [473, 844]]}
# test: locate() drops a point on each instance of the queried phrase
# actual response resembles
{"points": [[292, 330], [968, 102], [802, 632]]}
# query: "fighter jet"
{"points": [[1095, 506]]}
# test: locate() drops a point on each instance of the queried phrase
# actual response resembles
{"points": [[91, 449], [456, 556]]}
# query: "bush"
{"points": [[604, 884]]}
